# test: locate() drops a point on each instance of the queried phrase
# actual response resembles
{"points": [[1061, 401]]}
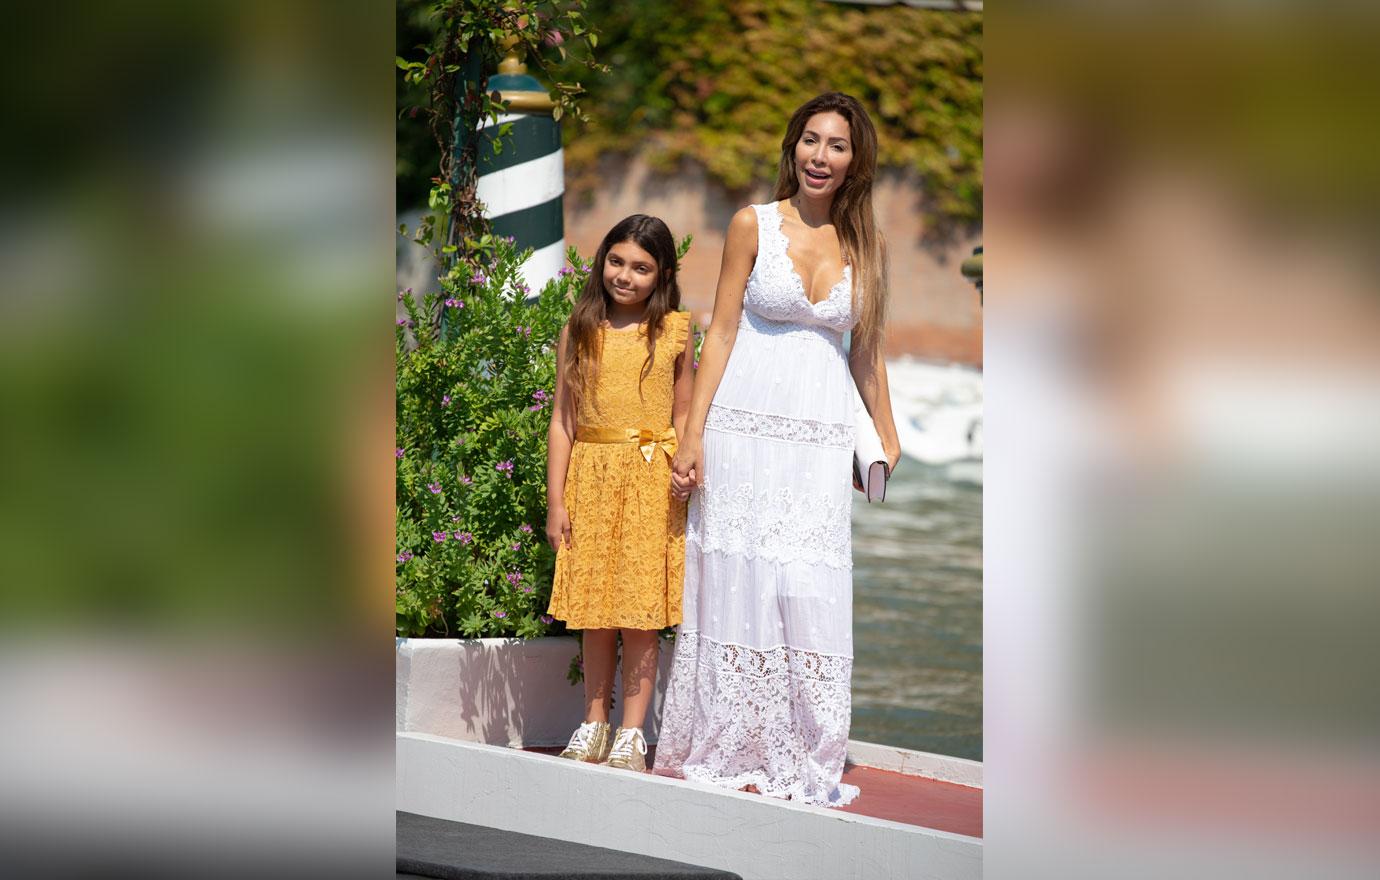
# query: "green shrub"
{"points": [[473, 405]]}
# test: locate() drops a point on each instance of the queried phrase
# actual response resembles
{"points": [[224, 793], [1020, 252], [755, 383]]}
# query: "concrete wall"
{"points": [[935, 312], [504, 692], [756, 837]]}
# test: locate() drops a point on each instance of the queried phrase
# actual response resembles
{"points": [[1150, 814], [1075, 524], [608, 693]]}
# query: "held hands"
{"points": [[558, 528], [687, 468]]}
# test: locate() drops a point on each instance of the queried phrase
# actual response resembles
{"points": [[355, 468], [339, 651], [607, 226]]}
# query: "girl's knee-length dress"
{"points": [[759, 691], [626, 568]]}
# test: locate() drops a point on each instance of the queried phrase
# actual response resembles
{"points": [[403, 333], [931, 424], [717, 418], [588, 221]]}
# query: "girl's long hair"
{"points": [[591, 309], [851, 213]]}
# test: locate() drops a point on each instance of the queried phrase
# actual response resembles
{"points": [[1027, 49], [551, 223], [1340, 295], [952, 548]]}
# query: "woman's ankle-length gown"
{"points": [[759, 687]]}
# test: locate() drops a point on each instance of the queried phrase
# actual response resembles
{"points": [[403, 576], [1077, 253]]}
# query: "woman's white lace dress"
{"points": [[759, 687]]}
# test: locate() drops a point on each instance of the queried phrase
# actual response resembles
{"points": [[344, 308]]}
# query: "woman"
{"points": [[758, 697]]}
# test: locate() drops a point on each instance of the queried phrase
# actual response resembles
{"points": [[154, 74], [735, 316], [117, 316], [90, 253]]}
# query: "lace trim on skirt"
{"points": [[775, 717], [781, 525], [775, 427]]}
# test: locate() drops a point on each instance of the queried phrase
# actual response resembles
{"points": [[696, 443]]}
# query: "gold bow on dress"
{"points": [[646, 439]]}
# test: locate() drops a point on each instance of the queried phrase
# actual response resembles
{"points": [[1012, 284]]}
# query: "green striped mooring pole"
{"points": [[523, 184]]}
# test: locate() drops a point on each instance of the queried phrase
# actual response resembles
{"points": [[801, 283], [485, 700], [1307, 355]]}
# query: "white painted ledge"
{"points": [[756, 837], [960, 771], [507, 692]]}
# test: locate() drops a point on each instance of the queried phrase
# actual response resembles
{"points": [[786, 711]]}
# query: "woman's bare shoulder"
{"points": [[742, 231], [744, 220]]}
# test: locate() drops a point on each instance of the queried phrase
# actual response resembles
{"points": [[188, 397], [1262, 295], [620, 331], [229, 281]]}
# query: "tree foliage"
{"points": [[452, 48], [716, 81]]}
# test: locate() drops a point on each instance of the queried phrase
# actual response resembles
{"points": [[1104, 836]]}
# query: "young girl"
{"points": [[623, 381]]}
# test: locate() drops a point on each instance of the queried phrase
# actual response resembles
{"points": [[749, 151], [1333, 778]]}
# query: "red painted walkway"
{"points": [[915, 800], [896, 797]]}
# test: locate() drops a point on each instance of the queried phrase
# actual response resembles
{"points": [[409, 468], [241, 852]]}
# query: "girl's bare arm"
{"points": [[560, 438], [684, 383]]}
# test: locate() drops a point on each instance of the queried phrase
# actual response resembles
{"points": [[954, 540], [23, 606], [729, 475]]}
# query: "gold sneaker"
{"points": [[589, 742], [629, 750]]}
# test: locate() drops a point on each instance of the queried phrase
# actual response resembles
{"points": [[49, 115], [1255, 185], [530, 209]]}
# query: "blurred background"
{"points": [[1183, 438], [196, 505]]}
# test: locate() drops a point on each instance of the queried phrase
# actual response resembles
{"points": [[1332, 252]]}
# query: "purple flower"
{"points": [[455, 519], [524, 331], [534, 407], [565, 270], [402, 322], [455, 303], [465, 479], [399, 452], [464, 537], [525, 529], [546, 618], [526, 291], [445, 400], [435, 488], [539, 394], [401, 294], [510, 239], [404, 556], [479, 278], [527, 589], [517, 546], [505, 468], [514, 577], [459, 441], [500, 614], [438, 537]]}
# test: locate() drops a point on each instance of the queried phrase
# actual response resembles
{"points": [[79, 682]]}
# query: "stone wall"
{"points": [[935, 313]]}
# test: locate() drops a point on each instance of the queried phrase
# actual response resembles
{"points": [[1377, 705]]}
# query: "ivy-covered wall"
{"points": [[716, 81]]}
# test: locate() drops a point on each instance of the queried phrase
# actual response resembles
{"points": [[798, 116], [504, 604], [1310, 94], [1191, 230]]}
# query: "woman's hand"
{"points": [[687, 468], [893, 458], [558, 532]]}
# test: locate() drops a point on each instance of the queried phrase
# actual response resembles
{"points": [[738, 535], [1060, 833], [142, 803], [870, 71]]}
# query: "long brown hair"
{"points": [[851, 212], [591, 309]]}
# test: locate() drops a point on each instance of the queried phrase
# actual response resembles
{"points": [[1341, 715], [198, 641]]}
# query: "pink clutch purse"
{"points": [[869, 460]]}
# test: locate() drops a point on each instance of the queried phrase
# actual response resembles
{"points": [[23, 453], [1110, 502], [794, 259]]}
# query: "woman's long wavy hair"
{"points": [[851, 213], [591, 309]]}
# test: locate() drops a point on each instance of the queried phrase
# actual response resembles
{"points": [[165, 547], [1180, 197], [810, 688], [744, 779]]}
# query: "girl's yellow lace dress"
{"points": [[627, 566]]}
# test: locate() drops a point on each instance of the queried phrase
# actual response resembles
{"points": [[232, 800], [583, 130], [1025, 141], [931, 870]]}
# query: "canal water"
{"points": [[917, 614]]}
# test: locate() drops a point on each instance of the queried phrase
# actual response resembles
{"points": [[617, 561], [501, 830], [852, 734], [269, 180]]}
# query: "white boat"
{"points": [[938, 411]]}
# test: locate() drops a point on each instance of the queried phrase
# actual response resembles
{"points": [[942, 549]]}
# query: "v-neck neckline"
{"points": [[800, 279]]}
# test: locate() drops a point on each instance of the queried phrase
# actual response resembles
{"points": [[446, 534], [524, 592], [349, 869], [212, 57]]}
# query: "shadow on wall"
{"points": [[505, 692]]}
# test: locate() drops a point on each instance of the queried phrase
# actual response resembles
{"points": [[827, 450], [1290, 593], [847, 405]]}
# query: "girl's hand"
{"points": [[687, 468], [558, 532], [680, 486]]}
